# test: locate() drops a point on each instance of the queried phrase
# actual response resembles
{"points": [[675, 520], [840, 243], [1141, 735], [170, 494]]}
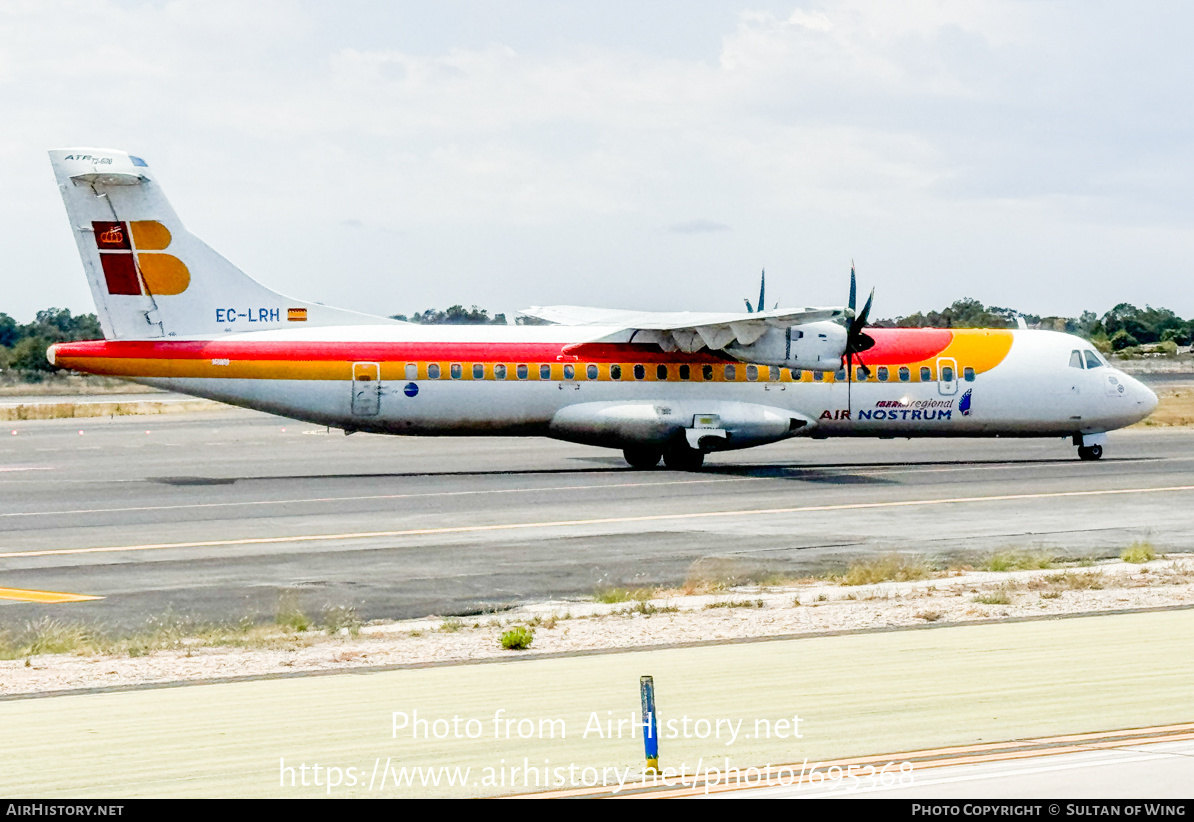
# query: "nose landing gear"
{"points": [[1090, 452]]}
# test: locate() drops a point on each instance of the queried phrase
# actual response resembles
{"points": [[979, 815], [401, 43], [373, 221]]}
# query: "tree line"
{"points": [[1122, 329]]}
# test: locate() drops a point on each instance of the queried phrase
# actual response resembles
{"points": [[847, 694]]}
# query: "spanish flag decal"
{"points": [[296, 315]]}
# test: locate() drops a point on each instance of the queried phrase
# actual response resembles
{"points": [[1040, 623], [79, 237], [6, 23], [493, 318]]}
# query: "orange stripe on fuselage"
{"points": [[980, 349]]}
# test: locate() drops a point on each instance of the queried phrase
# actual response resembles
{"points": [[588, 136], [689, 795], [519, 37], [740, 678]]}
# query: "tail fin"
{"points": [[149, 276]]}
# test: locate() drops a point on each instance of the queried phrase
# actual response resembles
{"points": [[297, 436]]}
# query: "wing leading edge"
{"points": [[683, 330]]}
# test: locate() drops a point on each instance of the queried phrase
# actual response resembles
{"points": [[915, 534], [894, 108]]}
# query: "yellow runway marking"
{"points": [[514, 526], [42, 596]]}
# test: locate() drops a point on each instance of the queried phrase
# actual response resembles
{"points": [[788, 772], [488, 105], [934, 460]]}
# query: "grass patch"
{"points": [[289, 614], [338, 618], [1139, 553], [611, 596], [736, 603], [518, 638], [1019, 561], [646, 609], [1072, 581], [993, 598], [889, 568]]}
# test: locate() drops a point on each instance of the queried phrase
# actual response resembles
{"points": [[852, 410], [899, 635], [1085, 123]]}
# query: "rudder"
{"points": [[150, 277]]}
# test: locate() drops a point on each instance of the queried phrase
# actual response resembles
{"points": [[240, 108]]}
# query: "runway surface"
{"points": [[212, 515]]}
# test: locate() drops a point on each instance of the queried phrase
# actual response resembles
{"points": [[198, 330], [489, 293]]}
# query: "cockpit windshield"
{"points": [[1092, 359]]}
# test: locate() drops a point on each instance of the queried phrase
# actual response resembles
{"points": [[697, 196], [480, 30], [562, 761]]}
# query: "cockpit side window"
{"points": [[1075, 359], [1092, 359]]}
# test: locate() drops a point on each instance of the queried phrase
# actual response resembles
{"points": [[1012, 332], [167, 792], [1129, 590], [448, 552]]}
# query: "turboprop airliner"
{"points": [[672, 386]]}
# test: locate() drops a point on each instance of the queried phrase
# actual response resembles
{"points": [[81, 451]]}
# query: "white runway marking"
{"points": [[468, 529]]}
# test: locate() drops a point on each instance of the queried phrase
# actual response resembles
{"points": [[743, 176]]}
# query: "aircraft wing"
{"points": [[683, 330]]}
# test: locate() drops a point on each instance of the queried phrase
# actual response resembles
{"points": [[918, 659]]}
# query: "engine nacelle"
{"points": [[808, 347], [707, 425]]}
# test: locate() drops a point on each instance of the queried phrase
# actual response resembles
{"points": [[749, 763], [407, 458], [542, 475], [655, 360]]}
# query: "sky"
{"points": [[392, 157]]}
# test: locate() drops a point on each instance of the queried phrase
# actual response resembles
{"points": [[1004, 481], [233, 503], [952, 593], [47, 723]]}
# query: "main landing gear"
{"points": [[1090, 452], [642, 458], [676, 457]]}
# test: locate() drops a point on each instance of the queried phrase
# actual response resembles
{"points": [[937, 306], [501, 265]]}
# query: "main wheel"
{"points": [[642, 458], [1090, 452], [683, 458]]}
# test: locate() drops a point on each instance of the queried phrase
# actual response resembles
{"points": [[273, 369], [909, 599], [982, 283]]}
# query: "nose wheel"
{"points": [[1090, 452]]}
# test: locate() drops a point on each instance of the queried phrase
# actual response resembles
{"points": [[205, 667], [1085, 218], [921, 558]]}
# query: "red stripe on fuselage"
{"points": [[896, 346], [372, 351], [893, 346]]}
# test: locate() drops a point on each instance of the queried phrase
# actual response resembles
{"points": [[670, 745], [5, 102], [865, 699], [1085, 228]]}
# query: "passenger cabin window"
{"points": [[947, 373], [685, 372], [591, 371], [905, 373], [661, 372], [412, 371], [499, 371], [640, 372], [478, 371], [569, 372], [1075, 359], [1092, 359], [774, 374], [545, 372], [860, 374], [523, 371], [731, 372], [840, 374], [818, 375], [706, 372], [615, 372], [926, 373], [456, 370], [883, 373], [433, 371], [752, 372], [968, 374]]}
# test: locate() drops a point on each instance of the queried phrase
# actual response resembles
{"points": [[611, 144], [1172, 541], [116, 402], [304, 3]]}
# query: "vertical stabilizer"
{"points": [[151, 278]]}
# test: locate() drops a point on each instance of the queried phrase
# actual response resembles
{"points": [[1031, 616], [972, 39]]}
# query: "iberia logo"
{"points": [[964, 403], [136, 267]]}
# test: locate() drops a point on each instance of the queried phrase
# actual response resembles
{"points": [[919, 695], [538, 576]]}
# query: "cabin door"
{"points": [[947, 376], [366, 389]]}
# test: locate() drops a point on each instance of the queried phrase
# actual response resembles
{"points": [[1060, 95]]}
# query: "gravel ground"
{"points": [[807, 608]]}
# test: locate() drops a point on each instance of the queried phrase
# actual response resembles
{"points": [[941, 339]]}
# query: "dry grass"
{"points": [[1018, 561], [1175, 410], [72, 410], [611, 596], [1139, 553], [889, 568]]}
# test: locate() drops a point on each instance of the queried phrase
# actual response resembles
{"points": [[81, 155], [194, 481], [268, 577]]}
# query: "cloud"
{"points": [[698, 227]]}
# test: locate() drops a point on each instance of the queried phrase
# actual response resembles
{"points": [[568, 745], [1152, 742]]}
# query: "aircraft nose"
{"points": [[1142, 396], [1148, 400]]}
